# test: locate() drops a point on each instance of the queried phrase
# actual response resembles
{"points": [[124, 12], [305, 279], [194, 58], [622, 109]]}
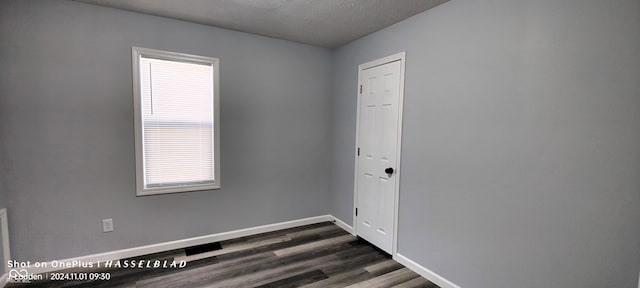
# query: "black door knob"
{"points": [[388, 170]]}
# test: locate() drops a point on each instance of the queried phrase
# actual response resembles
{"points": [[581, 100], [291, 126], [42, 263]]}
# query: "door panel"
{"points": [[378, 138]]}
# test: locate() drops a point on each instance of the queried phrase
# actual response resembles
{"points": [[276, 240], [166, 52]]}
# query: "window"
{"points": [[177, 123]]}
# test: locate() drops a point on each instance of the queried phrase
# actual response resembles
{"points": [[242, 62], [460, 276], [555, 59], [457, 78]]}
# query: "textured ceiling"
{"points": [[326, 23]]}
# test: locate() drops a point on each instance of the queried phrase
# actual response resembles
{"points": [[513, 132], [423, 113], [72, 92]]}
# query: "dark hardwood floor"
{"points": [[319, 255]]}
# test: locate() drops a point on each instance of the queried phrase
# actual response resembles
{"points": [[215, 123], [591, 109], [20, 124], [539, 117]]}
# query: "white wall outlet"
{"points": [[107, 225]]}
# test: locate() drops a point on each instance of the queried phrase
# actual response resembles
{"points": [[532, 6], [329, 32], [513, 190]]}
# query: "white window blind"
{"points": [[177, 123]]}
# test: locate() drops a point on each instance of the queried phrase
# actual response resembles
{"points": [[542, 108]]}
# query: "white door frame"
{"points": [[4, 226], [392, 58]]}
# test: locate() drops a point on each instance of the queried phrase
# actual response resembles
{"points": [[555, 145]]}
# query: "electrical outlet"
{"points": [[107, 225]]}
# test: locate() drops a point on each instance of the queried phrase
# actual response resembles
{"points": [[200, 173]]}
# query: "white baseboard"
{"points": [[344, 225], [4, 280], [179, 244], [424, 272]]}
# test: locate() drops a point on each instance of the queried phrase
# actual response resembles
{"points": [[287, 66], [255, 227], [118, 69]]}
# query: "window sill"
{"points": [[179, 189]]}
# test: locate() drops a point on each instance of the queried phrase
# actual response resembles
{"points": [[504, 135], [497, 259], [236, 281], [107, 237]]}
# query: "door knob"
{"points": [[388, 170]]}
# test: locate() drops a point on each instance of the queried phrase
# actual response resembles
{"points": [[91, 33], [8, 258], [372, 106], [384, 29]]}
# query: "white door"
{"points": [[378, 132]]}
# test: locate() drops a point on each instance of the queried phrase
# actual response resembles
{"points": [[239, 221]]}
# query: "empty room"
{"points": [[308, 143]]}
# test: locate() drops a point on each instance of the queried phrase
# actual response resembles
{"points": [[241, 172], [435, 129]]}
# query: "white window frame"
{"points": [[138, 52]]}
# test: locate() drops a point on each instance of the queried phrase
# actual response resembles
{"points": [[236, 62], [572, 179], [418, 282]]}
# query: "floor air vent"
{"points": [[202, 248]]}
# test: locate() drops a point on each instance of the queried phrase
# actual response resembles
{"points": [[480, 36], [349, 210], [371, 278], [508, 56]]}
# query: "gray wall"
{"points": [[3, 196], [3, 264], [66, 118], [3, 193], [521, 147], [3, 202]]}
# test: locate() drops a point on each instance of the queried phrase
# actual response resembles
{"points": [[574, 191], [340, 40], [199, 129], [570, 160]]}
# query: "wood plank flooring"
{"points": [[319, 255]]}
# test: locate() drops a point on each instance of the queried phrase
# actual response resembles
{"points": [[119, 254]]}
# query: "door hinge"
{"points": [[360, 89], [356, 211], [358, 151]]}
